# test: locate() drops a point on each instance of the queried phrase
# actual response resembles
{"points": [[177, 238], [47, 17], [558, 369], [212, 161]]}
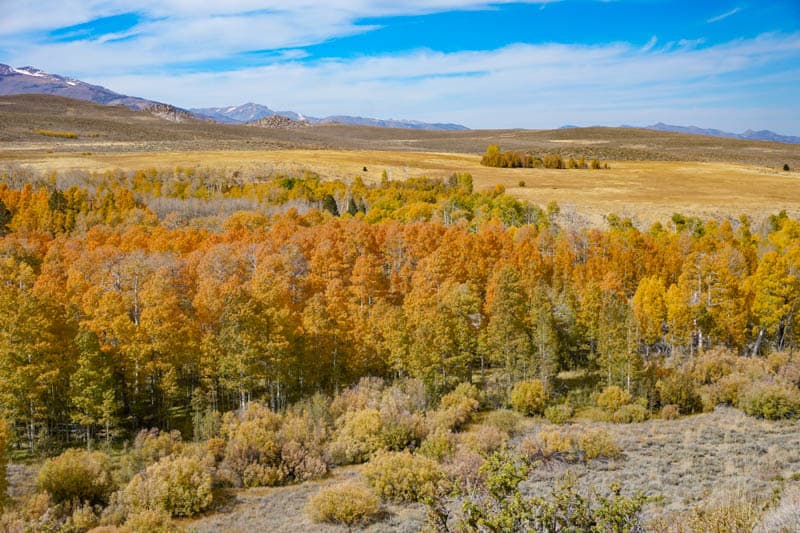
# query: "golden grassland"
{"points": [[643, 190]]}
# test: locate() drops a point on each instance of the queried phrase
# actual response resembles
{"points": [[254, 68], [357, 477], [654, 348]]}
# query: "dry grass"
{"points": [[690, 461], [646, 191]]}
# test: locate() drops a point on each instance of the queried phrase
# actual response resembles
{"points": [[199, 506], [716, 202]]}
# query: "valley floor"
{"points": [[646, 191], [682, 463]]}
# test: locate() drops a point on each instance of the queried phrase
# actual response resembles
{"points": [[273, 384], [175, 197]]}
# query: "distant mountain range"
{"points": [[30, 80], [749, 135], [251, 112]]}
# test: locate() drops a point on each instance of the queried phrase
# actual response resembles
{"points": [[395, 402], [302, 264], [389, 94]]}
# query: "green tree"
{"points": [[92, 387], [505, 340]]}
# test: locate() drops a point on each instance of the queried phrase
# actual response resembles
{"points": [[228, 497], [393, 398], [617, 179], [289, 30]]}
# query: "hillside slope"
{"points": [[97, 126]]}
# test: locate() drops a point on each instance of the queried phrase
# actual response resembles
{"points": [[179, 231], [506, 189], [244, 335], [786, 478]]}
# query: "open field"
{"points": [[643, 190], [116, 129], [707, 457]]}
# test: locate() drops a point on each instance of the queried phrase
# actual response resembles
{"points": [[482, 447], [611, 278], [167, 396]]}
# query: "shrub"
{"points": [[177, 485], [467, 390], [404, 477], [83, 518], [521, 183], [597, 443], [358, 438], [771, 400], [77, 475], [484, 439], [613, 397], [301, 448], [150, 446], [559, 414], [150, 521], [62, 134], [401, 426], [786, 167], [366, 394], [349, 503], [529, 397], [670, 412], [503, 419], [712, 365], [679, 389], [455, 409], [438, 445], [549, 443], [266, 449], [628, 414], [464, 468]]}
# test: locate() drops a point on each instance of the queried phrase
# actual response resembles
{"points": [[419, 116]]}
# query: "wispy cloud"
{"points": [[515, 86], [725, 15]]}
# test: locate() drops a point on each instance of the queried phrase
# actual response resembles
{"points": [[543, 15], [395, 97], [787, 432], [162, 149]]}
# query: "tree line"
{"points": [[495, 157], [114, 319]]}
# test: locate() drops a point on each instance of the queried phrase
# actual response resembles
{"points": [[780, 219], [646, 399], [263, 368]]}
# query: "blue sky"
{"points": [[539, 64]]}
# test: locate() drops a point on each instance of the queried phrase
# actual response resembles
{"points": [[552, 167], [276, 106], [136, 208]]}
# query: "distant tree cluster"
{"points": [[494, 157]]}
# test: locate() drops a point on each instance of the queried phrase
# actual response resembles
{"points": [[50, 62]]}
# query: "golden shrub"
{"points": [[357, 438], [503, 419], [404, 477], [559, 414], [629, 414], [177, 485], [670, 412], [484, 439], [348, 503], [77, 475], [772, 400], [613, 397], [150, 521], [597, 443], [529, 397], [438, 445]]}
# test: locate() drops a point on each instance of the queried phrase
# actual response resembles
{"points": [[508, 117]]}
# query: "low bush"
{"points": [[613, 397], [597, 443], [358, 437], [177, 485], [77, 475], [559, 414], [548, 443], [771, 400], [404, 477], [149, 521], [366, 393], [455, 409], [629, 414], [266, 449], [349, 503], [529, 397], [401, 425], [503, 419], [438, 445], [670, 412], [484, 439], [463, 469], [680, 389]]}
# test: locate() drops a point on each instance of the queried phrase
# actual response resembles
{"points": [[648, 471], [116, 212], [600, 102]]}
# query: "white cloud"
{"points": [[519, 85], [515, 86], [724, 15]]}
